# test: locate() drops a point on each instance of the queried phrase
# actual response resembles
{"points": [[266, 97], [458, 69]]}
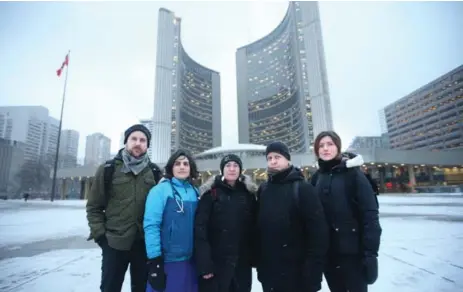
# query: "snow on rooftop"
{"points": [[234, 147]]}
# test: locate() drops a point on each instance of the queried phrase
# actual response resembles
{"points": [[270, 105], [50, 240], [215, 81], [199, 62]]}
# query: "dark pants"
{"points": [[115, 264], [289, 288], [345, 273]]}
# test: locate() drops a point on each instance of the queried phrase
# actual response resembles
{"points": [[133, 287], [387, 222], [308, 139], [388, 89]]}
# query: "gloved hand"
{"points": [[312, 276], [370, 267], [102, 241], [208, 284], [156, 275]]}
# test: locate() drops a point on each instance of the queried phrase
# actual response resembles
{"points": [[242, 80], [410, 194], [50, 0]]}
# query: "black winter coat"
{"points": [[224, 226], [350, 206], [292, 234]]}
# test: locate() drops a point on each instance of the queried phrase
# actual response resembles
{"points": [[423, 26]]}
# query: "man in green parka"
{"points": [[115, 209]]}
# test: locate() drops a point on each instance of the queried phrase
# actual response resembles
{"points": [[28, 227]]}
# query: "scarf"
{"points": [[277, 175], [327, 166], [132, 164]]}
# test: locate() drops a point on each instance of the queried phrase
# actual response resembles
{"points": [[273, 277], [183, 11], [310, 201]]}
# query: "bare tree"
{"points": [[35, 175]]}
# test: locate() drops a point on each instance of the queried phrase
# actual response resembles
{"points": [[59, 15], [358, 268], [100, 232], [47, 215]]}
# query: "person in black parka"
{"points": [[372, 182], [351, 210], [292, 233], [224, 225]]}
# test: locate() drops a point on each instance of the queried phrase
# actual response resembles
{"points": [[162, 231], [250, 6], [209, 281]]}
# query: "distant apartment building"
{"points": [[361, 142], [430, 117], [382, 121], [52, 138], [12, 158], [385, 142], [32, 126], [97, 149], [68, 148]]}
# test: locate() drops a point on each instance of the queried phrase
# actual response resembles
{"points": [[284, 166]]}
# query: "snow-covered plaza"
{"points": [[43, 246]]}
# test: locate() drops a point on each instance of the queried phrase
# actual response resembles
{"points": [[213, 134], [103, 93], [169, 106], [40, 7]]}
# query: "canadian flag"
{"points": [[65, 63]]}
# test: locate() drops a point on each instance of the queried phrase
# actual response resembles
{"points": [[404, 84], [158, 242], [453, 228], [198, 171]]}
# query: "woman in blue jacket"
{"points": [[169, 223]]}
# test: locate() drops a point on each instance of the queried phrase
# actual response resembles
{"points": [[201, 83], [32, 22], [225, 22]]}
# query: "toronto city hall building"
{"points": [[283, 95], [187, 96], [429, 118], [282, 83]]}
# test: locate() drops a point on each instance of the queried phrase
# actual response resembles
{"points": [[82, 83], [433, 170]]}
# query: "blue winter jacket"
{"points": [[169, 220]]}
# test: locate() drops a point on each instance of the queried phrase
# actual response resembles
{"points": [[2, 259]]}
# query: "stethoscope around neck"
{"points": [[178, 199]]}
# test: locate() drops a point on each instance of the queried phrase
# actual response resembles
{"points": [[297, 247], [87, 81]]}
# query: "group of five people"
{"points": [[177, 237]]}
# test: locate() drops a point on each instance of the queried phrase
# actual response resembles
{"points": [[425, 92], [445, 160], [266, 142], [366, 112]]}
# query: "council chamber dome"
{"points": [[187, 96], [242, 150], [282, 86]]}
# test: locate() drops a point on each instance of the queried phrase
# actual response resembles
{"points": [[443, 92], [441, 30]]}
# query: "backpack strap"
{"points": [[108, 178], [262, 188], [196, 191], [214, 194], [351, 187], [156, 171], [296, 193], [314, 178]]}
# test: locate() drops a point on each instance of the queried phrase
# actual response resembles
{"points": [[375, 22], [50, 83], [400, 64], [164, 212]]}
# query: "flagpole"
{"points": [[55, 167]]}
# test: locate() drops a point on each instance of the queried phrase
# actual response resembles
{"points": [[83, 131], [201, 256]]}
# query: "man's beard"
{"points": [[132, 152]]}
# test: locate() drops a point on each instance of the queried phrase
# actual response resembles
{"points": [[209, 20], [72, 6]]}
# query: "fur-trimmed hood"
{"points": [[352, 160], [250, 185]]}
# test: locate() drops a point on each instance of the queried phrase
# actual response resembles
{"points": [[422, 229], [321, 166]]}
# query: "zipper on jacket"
{"points": [[330, 199]]}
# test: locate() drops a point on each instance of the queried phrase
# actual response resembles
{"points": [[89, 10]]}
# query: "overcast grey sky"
{"points": [[375, 52]]}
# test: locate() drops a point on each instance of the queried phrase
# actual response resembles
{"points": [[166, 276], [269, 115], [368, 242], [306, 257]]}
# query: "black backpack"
{"points": [[109, 172], [351, 186]]}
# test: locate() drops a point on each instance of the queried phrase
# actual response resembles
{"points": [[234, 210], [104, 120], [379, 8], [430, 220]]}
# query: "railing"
{"points": [[440, 189]]}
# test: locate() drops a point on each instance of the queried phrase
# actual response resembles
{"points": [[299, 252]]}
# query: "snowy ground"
{"points": [[43, 246]]}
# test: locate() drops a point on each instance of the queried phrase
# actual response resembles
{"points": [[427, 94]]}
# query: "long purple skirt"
{"points": [[181, 277]]}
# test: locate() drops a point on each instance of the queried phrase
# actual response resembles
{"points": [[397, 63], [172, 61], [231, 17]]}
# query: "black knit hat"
{"points": [[278, 147], [138, 127], [230, 157]]}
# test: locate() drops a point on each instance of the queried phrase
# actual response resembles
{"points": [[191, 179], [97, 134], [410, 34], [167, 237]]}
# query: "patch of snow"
{"points": [[41, 224]]}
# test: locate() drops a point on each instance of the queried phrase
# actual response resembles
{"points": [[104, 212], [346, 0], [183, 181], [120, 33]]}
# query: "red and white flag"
{"points": [[65, 63]]}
